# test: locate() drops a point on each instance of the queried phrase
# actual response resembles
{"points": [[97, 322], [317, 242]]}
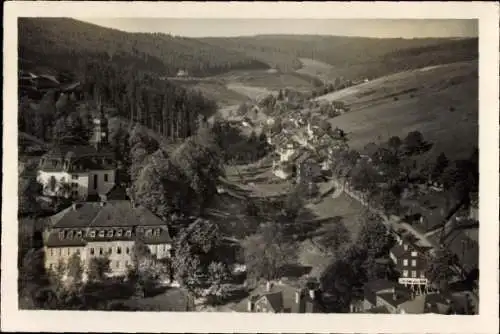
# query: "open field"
{"points": [[441, 102], [315, 68], [272, 81]]}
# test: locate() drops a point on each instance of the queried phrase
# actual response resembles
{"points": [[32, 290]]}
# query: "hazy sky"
{"points": [[405, 28]]}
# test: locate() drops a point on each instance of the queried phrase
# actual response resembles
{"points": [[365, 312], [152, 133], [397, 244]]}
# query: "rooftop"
{"points": [[114, 213]]}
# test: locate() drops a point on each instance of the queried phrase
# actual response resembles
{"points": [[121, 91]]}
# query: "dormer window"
{"points": [[61, 234], [70, 235], [79, 234], [157, 232], [119, 233], [101, 234], [110, 234], [128, 234], [149, 232], [92, 234]]}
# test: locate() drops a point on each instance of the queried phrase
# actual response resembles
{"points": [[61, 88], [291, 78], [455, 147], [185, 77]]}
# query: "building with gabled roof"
{"points": [[108, 228], [282, 298], [79, 170]]}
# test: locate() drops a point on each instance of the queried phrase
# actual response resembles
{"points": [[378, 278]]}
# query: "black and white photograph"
{"points": [[170, 165]]}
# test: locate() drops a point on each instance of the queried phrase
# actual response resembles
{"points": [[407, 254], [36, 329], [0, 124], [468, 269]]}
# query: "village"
{"points": [[306, 157], [264, 174]]}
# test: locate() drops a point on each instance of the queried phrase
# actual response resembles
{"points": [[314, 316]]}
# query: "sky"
{"points": [[379, 28]]}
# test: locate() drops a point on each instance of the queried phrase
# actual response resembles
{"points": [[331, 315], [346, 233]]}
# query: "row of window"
{"points": [[109, 233], [106, 177], [113, 264], [413, 274], [101, 251], [413, 262]]}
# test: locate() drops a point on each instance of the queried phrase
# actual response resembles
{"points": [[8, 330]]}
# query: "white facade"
{"points": [[286, 152], [119, 253], [80, 185]]}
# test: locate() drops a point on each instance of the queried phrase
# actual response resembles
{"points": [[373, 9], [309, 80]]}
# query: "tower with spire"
{"points": [[100, 131]]}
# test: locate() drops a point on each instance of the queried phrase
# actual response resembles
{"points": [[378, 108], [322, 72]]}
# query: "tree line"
{"points": [[63, 41]]}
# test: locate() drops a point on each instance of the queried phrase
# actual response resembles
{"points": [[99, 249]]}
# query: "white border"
{"points": [[55, 321]]}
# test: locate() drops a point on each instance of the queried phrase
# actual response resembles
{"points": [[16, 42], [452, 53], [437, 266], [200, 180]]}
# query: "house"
{"points": [[107, 228], [77, 170], [308, 168], [411, 263], [382, 296], [282, 298], [182, 73]]}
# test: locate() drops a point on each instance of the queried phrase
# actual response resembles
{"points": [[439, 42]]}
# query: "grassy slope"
{"points": [[352, 57], [376, 115]]}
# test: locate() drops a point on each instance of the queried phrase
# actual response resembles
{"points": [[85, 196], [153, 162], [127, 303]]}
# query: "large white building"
{"points": [[104, 229], [78, 171]]}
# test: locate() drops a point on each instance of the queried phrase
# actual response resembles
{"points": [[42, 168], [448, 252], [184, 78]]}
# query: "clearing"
{"points": [[315, 68]]}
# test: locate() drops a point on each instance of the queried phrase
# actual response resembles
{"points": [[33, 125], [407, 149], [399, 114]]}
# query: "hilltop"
{"points": [[351, 57], [60, 42]]}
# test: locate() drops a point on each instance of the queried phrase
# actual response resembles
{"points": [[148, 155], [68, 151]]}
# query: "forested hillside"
{"points": [[352, 57], [61, 41]]}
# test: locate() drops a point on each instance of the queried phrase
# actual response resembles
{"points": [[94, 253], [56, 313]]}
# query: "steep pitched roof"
{"points": [[414, 306], [275, 300]]}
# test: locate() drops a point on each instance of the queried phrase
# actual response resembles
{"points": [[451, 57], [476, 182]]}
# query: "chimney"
{"points": [[249, 305], [312, 293]]}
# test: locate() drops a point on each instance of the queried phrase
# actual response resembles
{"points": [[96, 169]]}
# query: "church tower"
{"points": [[100, 133]]}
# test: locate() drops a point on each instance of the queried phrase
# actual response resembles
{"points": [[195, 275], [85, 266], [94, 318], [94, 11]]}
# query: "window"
{"points": [[79, 234], [91, 251], [110, 250], [100, 251], [127, 250], [405, 273], [52, 252], [149, 232], [413, 263], [422, 274], [70, 234], [414, 254], [128, 233], [61, 235], [405, 262], [60, 252], [74, 177], [74, 185], [118, 250], [110, 233], [413, 274], [119, 233], [92, 234], [68, 251], [101, 233], [117, 264], [105, 177], [157, 232], [95, 181]]}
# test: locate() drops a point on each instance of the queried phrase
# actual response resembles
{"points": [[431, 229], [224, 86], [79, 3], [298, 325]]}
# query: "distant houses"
{"points": [[182, 73]]}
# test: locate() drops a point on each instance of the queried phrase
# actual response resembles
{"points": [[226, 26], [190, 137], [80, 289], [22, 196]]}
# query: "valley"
{"points": [[311, 157]]}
